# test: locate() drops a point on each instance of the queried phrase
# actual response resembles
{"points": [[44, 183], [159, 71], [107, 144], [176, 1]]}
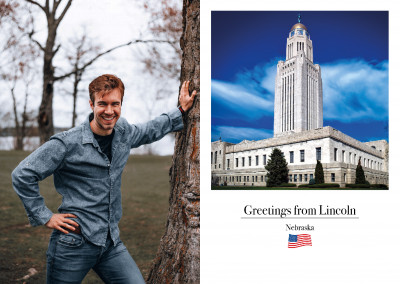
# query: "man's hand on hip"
{"points": [[185, 100], [61, 222]]}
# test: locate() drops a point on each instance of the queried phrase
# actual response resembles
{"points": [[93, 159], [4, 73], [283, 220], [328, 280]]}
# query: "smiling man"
{"points": [[87, 163]]}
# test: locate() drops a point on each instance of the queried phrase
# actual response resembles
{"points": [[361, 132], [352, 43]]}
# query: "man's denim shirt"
{"points": [[89, 184]]}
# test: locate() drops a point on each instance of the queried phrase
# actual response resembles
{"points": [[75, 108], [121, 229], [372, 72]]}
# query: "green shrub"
{"points": [[319, 173], [287, 185], [277, 169], [324, 185], [358, 185], [312, 181], [360, 177], [304, 185], [379, 185]]}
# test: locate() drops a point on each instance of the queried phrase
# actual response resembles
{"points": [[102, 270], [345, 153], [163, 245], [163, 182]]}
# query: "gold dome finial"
{"points": [[298, 24]]}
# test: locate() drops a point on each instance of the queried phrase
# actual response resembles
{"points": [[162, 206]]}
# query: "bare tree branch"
{"points": [[63, 12], [37, 4], [90, 62], [57, 49], [35, 41]]}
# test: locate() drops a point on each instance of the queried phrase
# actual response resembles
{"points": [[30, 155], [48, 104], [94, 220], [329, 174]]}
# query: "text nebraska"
{"points": [[336, 211], [290, 227]]}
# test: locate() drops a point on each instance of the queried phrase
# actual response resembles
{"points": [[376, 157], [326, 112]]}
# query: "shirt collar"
{"points": [[87, 133]]}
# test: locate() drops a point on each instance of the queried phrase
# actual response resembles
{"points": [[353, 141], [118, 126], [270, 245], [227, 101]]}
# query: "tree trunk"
{"points": [[178, 257]]}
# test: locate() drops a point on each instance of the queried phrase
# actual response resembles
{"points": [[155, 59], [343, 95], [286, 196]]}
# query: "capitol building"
{"points": [[299, 132]]}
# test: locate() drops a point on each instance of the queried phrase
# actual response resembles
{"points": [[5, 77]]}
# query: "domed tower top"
{"points": [[298, 26], [299, 41]]}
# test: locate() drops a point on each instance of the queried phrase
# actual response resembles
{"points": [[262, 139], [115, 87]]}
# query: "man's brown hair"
{"points": [[105, 84]]}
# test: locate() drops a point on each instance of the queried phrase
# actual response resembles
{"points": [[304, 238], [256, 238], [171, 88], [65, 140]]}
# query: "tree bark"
{"points": [[178, 256]]}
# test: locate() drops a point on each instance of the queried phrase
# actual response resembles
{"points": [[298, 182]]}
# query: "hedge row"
{"points": [[287, 185], [379, 185], [352, 185], [321, 185]]}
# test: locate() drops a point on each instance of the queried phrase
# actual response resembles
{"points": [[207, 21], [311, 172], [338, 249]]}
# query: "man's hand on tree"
{"points": [[185, 100], [60, 222]]}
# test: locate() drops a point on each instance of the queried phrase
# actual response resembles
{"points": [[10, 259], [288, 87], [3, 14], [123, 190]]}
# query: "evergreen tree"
{"points": [[319, 173], [360, 177], [277, 169]]}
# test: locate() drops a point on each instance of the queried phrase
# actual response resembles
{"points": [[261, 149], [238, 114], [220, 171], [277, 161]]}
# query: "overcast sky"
{"points": [[350, 47]]}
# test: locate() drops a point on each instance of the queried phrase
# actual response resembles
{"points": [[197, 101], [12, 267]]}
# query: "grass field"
{"points": [[145, 192]]}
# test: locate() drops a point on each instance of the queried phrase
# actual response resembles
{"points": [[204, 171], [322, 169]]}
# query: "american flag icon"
{"points": [[296, 241]]}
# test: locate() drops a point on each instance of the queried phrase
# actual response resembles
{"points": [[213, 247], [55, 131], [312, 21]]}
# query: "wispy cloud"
{"points": [[355, 90], [251, 94], [237, 134]]}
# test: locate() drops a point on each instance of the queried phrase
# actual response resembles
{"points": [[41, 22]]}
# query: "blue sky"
{"points": [[351, 48]]}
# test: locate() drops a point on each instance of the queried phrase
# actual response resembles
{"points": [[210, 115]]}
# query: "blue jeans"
{"points": [[70, 257]]}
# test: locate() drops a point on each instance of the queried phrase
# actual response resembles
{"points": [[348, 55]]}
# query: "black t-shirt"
{"points": [[105, 143]]}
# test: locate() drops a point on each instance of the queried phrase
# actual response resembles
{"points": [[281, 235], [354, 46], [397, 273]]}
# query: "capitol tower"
{"points": [[298, 86]]}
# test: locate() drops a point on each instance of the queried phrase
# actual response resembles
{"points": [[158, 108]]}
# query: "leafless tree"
{"points": [[80, 50], [178, 257], [18, 65], [165, 23]]}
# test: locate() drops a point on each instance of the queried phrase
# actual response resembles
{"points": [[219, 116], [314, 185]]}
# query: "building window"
{"points": [[300, 178], [227, 161], [240, 178], [344, 177], [290, 178], [248, 178], [262, 178], [256, 160], [318, 153], [349, 161], [249, 161], [305, 177], [355, 159], [265, 159], [291, 156], [256, 178], [211, 157], [332, 177], [343, 156], [301, 155], [295, 178], [215, 157], [252, 178], [219, 166], [311, 176], [237, 162], [242, 161], [335, 154]]}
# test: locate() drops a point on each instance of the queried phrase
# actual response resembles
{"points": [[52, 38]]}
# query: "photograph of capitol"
{"points": [[299, 131]]}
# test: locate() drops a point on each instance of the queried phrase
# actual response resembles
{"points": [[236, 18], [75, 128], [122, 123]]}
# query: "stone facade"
{"points": [[243, 164]]}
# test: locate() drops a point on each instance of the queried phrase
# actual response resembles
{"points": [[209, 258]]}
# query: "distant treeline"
{"points": [[33, 131]]}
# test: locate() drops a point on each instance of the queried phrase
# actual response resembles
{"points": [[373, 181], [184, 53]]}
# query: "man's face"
{"points": [[106, 110]]}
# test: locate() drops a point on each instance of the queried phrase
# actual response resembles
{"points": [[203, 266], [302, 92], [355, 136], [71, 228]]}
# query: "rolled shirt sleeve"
{"points": [[156, 129], [34, 168]]}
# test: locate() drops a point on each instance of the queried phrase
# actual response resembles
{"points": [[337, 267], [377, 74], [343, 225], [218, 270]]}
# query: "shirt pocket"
{"points": [[71, 240]]}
